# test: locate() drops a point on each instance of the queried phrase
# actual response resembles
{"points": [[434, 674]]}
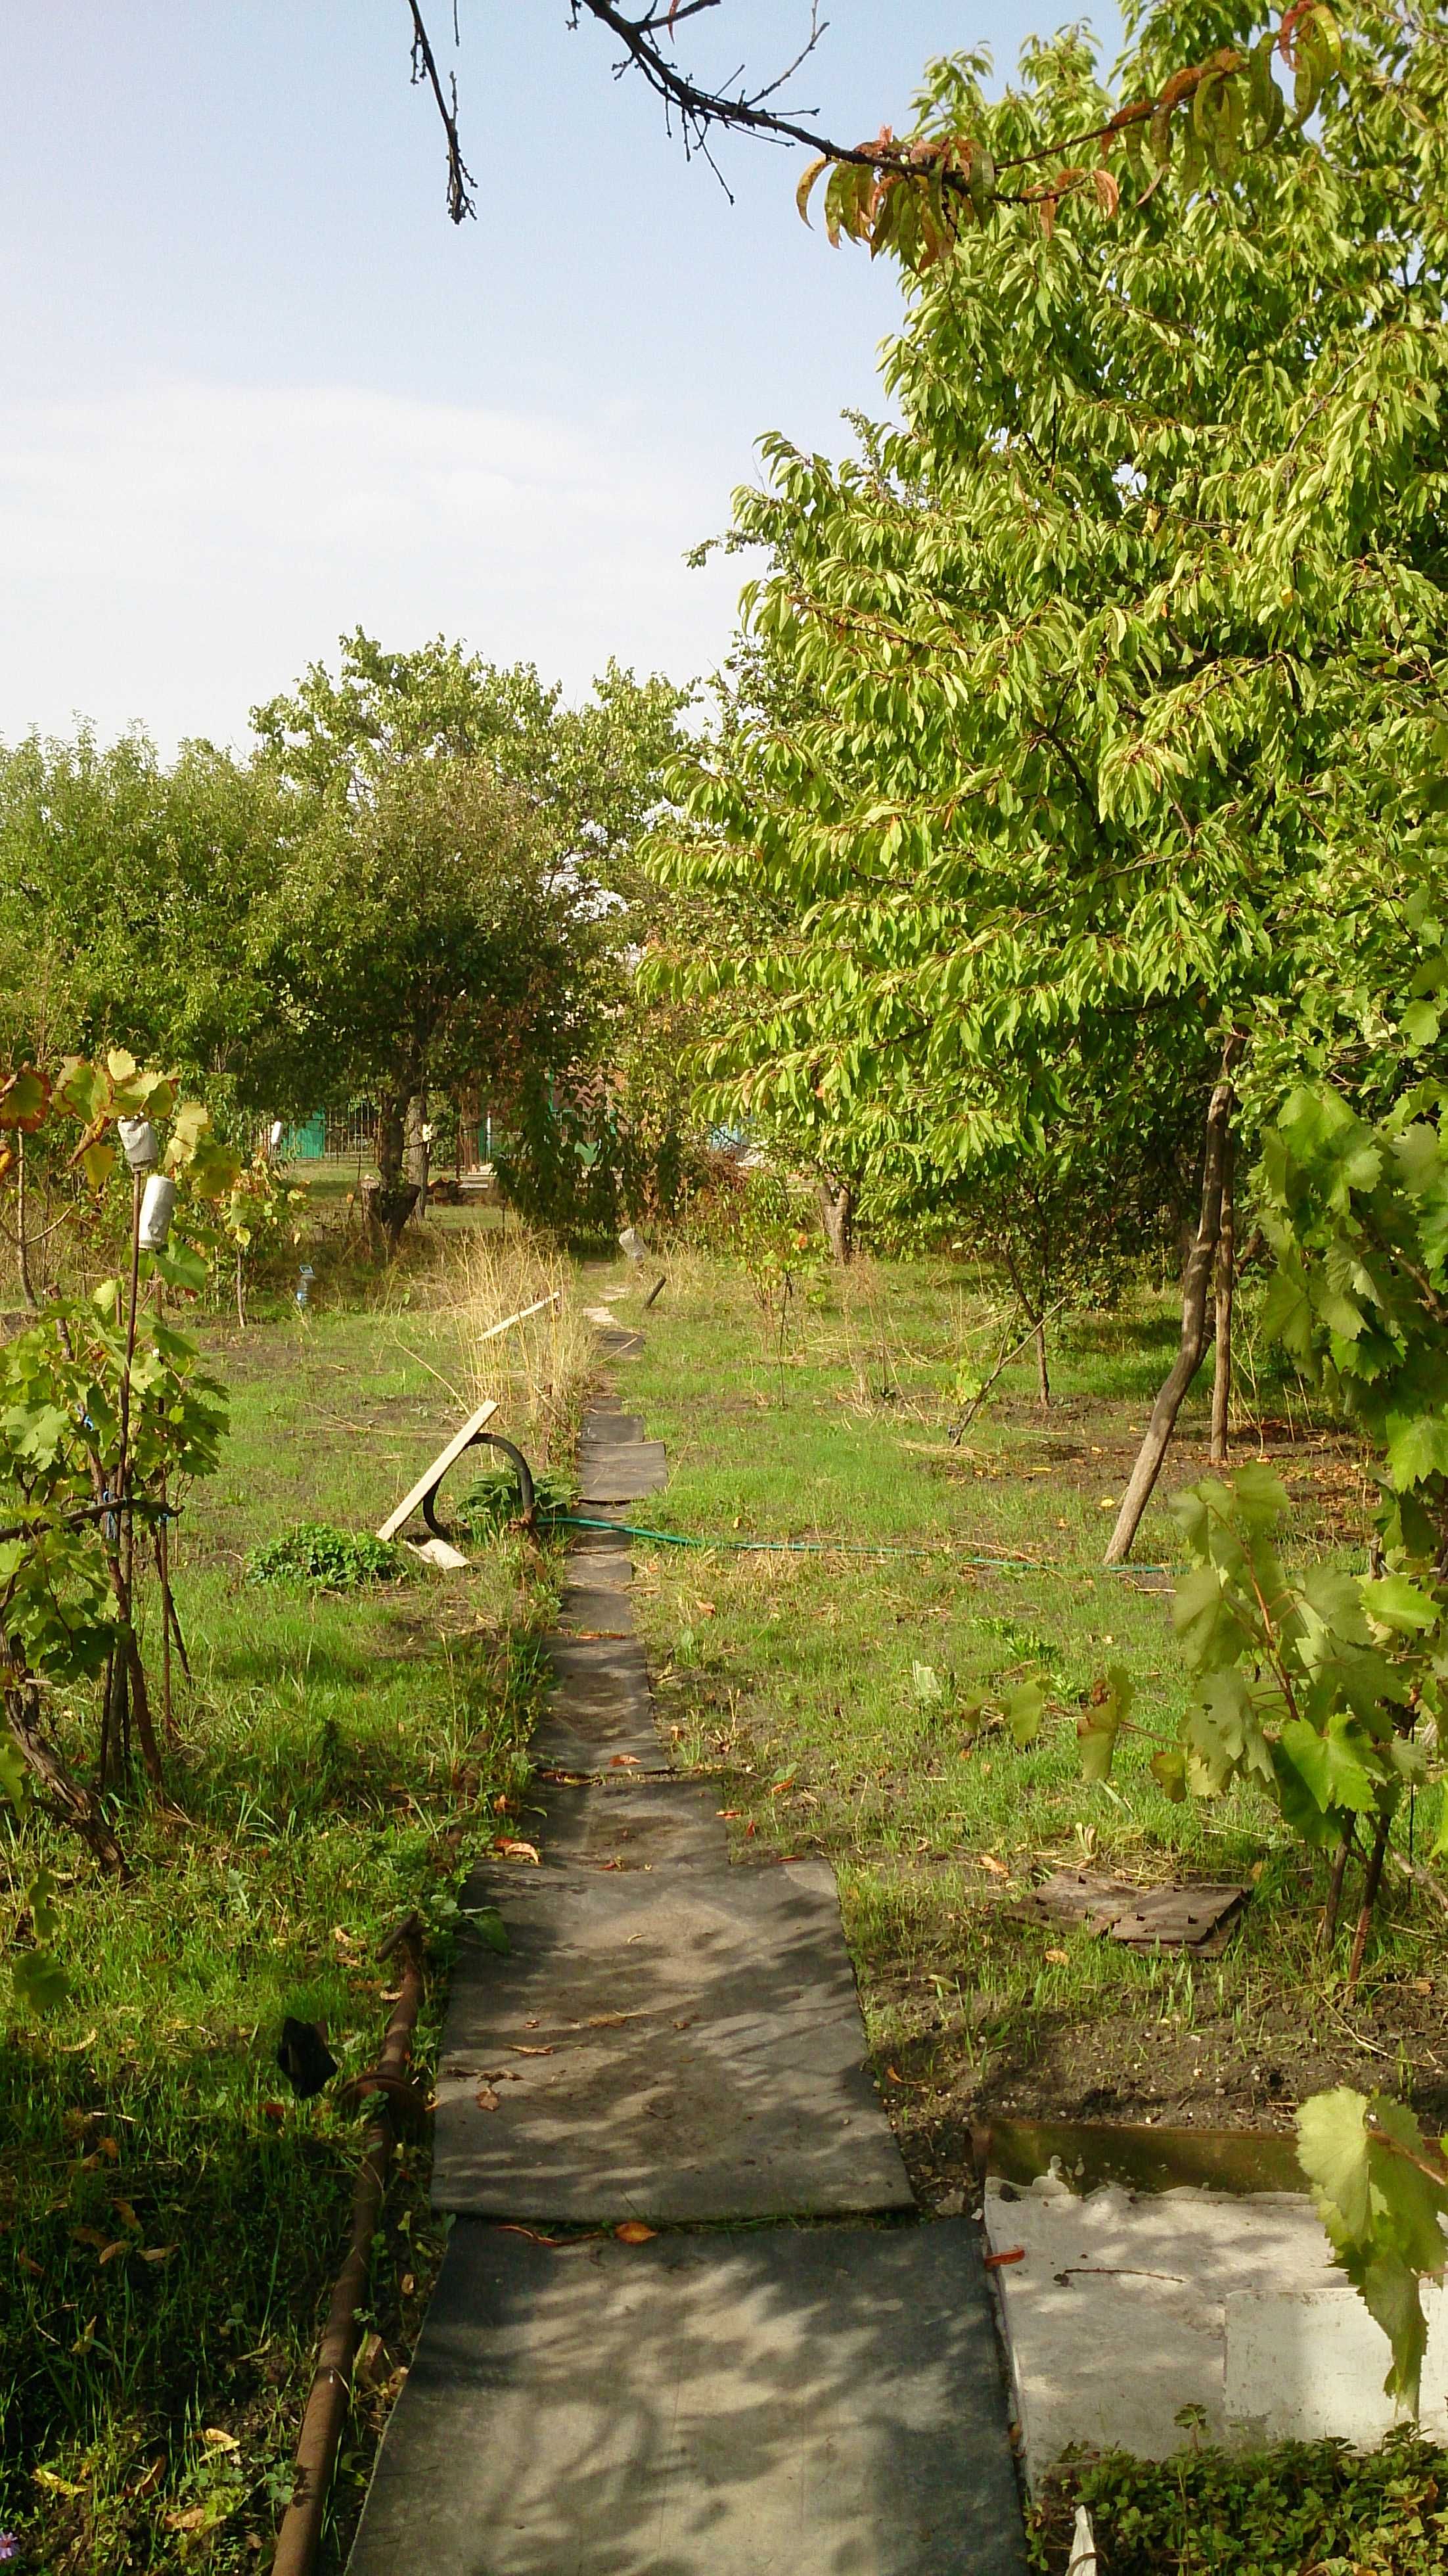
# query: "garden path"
{"points": [[746, 2353]]}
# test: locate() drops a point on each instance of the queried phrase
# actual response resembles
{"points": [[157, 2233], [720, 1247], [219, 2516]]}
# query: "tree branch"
{"points": [[460, 181]]}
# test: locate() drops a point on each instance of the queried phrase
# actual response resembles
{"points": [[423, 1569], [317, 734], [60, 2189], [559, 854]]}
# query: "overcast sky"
{"points": [[258, 389]]}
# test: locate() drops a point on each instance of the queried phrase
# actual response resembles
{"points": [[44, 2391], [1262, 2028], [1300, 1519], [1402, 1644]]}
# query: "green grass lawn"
{"points": [[832, 1687], [171, 2217]]}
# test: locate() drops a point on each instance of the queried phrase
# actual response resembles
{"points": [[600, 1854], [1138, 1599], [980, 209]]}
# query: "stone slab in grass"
{"points": [[629, 1824], [613, 1341], [798, 2402], [705, 2057], [1124, 2310], [620, 1471], [602, 1424]]}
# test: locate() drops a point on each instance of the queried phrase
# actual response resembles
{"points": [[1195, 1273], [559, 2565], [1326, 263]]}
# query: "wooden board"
{"points": [[1175, 1917], [445, 1458]]}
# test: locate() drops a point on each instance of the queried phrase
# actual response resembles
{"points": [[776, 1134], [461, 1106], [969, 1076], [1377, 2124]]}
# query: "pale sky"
{"points": [[258, 389]]}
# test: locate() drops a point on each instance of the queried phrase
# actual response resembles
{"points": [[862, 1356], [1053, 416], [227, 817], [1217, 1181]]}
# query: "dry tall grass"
{"points": [[536, 1372]]}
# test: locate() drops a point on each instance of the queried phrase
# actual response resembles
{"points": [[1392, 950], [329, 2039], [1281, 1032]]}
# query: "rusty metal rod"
{"points": [[326, 2408]]}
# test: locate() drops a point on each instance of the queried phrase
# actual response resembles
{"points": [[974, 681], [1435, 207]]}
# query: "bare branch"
{"points": [[460, 180]]}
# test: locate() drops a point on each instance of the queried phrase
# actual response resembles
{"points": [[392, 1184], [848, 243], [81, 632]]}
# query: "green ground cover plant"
{"points": [[170, 2216], [1303, 2509], [323, 1558]]}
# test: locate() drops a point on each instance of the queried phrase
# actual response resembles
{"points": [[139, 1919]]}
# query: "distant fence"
{"points": [[350, 1135]]}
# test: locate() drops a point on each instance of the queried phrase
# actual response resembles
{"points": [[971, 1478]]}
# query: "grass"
{"points": [[170, 2216], [833, 1688]]}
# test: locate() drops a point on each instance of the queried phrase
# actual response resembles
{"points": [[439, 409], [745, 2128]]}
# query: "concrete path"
{"points": [[676, 2042], [788, 2402]]}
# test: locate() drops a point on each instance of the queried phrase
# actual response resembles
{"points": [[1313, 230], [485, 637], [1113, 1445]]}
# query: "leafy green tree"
{"points": [[126, 890], [421, 939], [1118, 662], [589, 775]]}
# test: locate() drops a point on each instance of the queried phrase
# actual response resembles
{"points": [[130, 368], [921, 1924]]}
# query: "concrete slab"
{"points": [[600, 1710], [620, 1471], [614, 1342], [629, 1824], [1128, 2307], [705, 2057], [816, 2402], [601, 1423], [601, 1610]]}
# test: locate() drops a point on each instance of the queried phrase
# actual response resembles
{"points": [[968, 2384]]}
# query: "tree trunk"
{"points": [[21, 1212], [417, 1156], [1371, 1883], [1195, 1288], [1226, 1289], [837, 1208], [63, 1797], [1043, 1375], [389, 1201]]}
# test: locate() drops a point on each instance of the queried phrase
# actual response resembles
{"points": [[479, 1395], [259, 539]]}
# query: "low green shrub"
{"points": [[493, 1501], [322, 1558], [1300, 2509]]}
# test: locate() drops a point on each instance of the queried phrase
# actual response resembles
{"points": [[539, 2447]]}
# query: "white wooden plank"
{"points": [[460, 1441]]}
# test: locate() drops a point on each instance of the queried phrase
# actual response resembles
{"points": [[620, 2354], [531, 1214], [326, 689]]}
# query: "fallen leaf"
{"points": [[512, 1850], [607, 2021], [1013, 2254], [777, 1787], [191, 2520], [150, 2479], [624, 1762], [88, 2236], [122, 2245], [274, 2111], [157, 2253], [58, 2485], [996, 1867], [1059, 1958], [219, 2441], [125, 2213], [634, 2232], [407, 2285], [728, 1813], [705, 1609], [520, 2048], [485, 2098], [73, 2047]]}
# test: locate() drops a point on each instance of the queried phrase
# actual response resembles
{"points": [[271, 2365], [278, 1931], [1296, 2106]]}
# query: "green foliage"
{"points": [[1357, 1212], [492, 1502], [320, 1558], [126, 888], [1310, 1684], [1382, 2193], [1103, 691], [1302, 2506], [915, 200], [102, 1400]]}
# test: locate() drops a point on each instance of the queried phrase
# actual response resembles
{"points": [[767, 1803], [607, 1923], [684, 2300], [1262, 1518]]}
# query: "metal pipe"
{"points": [[326, 2408], [527, 1491]]}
